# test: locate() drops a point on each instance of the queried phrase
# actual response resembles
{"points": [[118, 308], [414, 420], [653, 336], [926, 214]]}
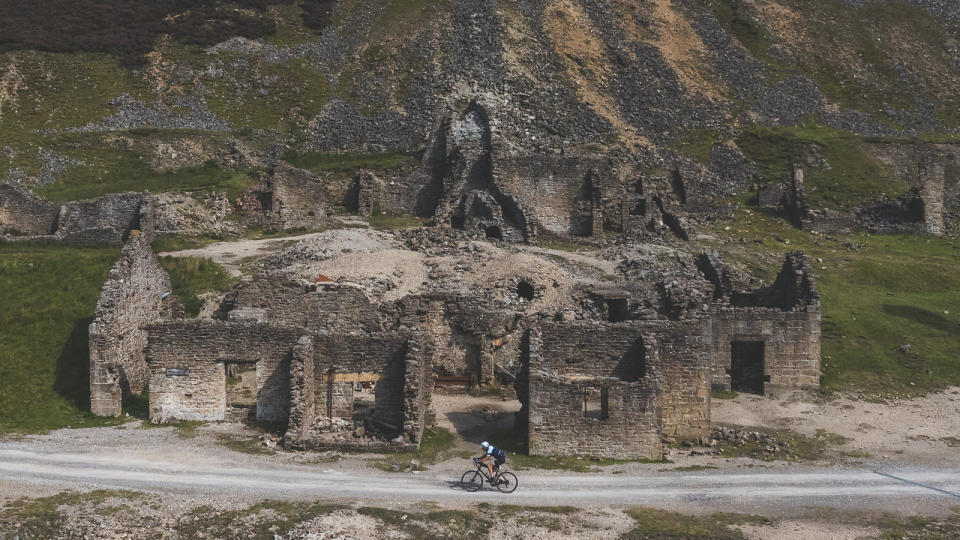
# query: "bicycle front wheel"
{"points": [[471, 481], [507, 483]]}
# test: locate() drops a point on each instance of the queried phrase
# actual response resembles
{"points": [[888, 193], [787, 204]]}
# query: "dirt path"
{"points": [[922, 432], [863, 488]]}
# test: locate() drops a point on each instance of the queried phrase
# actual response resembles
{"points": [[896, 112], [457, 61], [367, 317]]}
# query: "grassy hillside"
{"points": [[48, 301], [878, 293]]}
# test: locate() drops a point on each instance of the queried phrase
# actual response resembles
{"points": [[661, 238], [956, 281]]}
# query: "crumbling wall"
{"points": [[393, 362], [109, 219], [286, 198], [289, 301], [187, 376], [24, 214], [654, 376], [303, 408], [132, 297], [558, 190], [785, 318]]}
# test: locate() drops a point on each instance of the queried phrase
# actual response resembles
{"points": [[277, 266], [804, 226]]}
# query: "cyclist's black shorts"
{"points": [[498, 461]]}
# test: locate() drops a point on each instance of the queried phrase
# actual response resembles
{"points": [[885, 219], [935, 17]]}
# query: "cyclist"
{"points": [[492, 456]]}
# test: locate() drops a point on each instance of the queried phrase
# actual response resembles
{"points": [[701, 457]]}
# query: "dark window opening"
{"points": [[639, 208], [525, 290], [493, 232], [746, 367], [633, 364], [596, 403], [311, 213], [617, 309]]}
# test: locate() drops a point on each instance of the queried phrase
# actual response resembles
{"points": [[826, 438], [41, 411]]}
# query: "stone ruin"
{"points": [[109, 219], [344, 370], [930, 171]]}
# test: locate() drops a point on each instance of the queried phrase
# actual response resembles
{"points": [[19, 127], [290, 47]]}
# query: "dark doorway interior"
{"points": [[617, 308], [746, 367]]}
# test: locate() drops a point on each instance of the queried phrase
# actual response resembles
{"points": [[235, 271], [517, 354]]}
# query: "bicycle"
{"points": [[505, 481]]}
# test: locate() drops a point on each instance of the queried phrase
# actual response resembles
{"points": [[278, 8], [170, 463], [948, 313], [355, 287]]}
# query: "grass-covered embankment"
{"points": [[190, 277], [49, 294], [878, 294]]}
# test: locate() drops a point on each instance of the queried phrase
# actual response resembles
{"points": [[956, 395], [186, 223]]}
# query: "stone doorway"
{"points": [[241, 390], [746, 367]]}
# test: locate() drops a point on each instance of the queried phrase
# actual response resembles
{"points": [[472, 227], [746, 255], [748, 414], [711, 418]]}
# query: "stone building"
{"points": [[109, 219], [136, 294], [343, 370]]}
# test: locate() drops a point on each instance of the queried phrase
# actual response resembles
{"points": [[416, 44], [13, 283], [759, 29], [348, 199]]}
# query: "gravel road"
{"points": [[823, 487]]}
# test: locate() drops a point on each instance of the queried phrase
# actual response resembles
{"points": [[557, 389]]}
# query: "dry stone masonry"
{"points": [[136, 294]]}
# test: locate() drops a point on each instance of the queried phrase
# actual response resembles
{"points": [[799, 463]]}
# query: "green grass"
{"points": [[180, 243], [48, 301], [891, 291], [192, 276], [799, 447], [319, 162], [697, 143], [661, 524], [41, 518], [852, 53], [436, 444], [853, 176], [388, 221], [110, 171]]}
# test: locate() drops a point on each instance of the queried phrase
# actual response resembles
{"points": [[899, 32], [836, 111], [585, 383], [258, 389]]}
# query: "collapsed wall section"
{"points": [[612, 390], [24, 214], [132, 297], [289, 301], [109, 219], [393, 364], [188, 364], [769, 340]]}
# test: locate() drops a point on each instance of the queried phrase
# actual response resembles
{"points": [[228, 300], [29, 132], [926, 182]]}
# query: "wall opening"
{"points": [[633, 364], [596, 403], [525, 290], [493, 232], [241, 390], [746, 367], [617, 309]]}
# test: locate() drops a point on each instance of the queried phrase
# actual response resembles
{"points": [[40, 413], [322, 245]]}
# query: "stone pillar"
{"points": [[932, 172], [596, 206], [302, 390], [366, 196]]}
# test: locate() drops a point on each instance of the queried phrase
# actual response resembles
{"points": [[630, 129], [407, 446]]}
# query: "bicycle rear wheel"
{"points": [[471, 481], [507, 483]]}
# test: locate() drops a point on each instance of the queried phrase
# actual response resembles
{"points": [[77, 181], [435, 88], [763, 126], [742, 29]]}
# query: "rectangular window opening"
{"points": [[596, 403]]}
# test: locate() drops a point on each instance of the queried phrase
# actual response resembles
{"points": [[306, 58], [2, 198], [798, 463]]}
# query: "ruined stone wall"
{"points": [[109, 219], [556, 189], [791, 345], [288, 301], [784, 317], [201, 348], [132, 297], [656, 374], [303, 408], [565, 362], [387, 356], [285, 199], [24, 214], [105, 220]]}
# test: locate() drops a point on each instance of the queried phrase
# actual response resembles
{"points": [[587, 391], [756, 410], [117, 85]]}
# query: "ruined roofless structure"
{"points": [[344, 371]]}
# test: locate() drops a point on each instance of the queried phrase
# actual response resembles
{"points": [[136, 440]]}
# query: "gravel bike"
{"points": [[473, 480]]}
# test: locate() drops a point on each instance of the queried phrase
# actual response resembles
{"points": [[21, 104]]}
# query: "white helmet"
{"points": [[484, 444]]}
